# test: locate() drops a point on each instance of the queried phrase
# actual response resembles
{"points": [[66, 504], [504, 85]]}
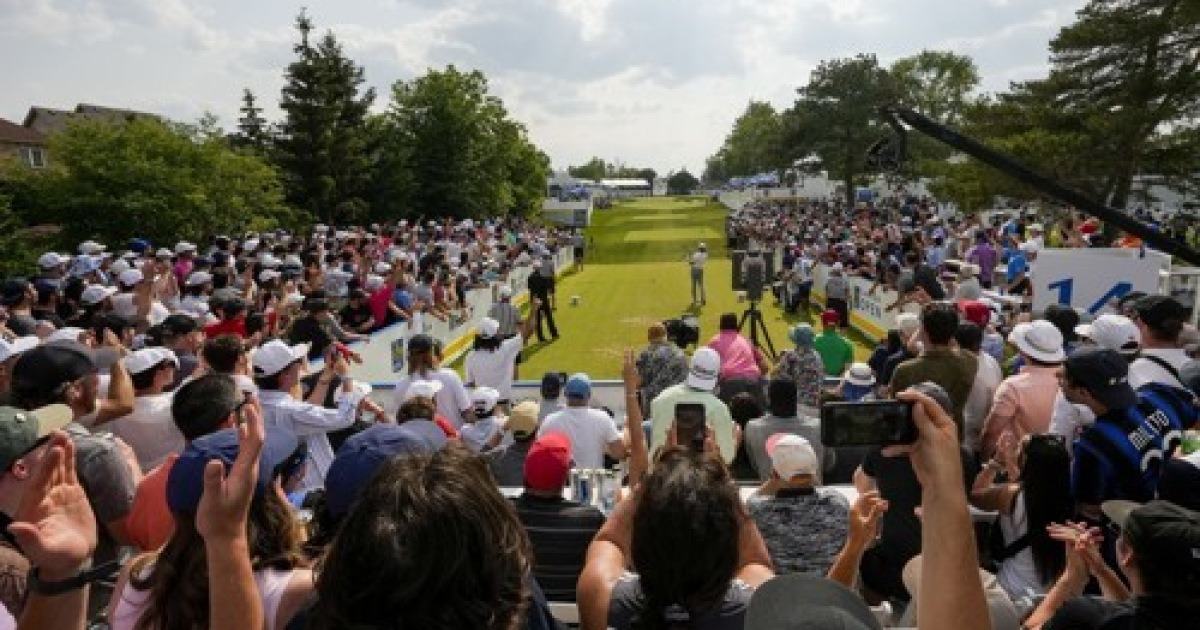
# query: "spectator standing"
{"points": [[803, 366], [837, 353], [1108, 331], [506, 314], [149, 430], [592, 433], [988, 376], [1024, 402], [660, 365], [703, 373], [940, 362], [984, 254], [837, 292], [803, 524], [1159, 319], [551, 393], [493, 358], [183, 336]]}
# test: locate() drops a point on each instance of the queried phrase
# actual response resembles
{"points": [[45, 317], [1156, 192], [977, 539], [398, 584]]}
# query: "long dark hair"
{"points": [[685, 535], [431, 543], [1046, 482], [178, 581]]}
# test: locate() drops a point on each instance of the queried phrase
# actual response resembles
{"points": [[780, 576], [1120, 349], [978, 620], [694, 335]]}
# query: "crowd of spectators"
{"points": [[181, 466]]}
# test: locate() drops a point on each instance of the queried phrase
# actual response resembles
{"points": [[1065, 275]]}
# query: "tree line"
{"points": [[1121, 100], [444, 146]]}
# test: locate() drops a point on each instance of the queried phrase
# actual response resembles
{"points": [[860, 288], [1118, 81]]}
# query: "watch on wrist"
{"points": [[85, 577]]}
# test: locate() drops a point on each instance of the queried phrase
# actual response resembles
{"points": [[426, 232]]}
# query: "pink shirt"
{"points": [[1024, 404], [737, 355]]}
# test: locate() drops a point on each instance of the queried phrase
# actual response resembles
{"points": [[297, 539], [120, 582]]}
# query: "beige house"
{"points": [[26, 145]]}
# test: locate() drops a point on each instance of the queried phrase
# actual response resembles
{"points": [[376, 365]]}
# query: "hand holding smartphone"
{"points": [[868, 423], [690, 428]]}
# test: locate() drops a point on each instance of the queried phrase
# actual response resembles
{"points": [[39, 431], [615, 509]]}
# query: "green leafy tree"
{"points": [[150, 179], [460, 153], [1130, 70], [595, 169], [836, 116], [936, 83], [754, 145], [682, 183], [322, 145]]}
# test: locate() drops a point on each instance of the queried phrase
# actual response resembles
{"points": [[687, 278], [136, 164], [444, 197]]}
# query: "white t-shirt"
{"points": [[979, 400], [1069, 419], [476, 434], [1144, 370], [698, 259], [590, 431], [150, 430], [494, 369], [452, 398]]}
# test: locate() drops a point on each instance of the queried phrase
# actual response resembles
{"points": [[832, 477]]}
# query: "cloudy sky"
{"points": [[645, 82]]}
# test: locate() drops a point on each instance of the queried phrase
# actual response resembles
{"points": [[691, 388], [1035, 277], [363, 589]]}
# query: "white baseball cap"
{"points": [[505, 291], [488, 328], [69, 333], [91, 247], [130, 277], [268, 275], [146, 358], [50, 260], [120, 266], [382, 268], [198, 278], [484, 398], [860, 374], [1113, 332], [274, 356], [1040, 340], [704, 369], [163, 252], [18, 346], [422, 389], [791, 455], [374, 283], [96, 293], [183, 247]]}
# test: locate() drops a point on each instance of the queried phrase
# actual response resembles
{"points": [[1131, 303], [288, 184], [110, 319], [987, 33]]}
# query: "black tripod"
{"points": [[757, 326]]}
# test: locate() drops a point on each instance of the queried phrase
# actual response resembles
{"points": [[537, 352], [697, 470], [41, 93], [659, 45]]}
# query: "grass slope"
{"points": [[635, 275]]}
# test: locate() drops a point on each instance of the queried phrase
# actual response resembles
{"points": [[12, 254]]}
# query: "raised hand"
{"points": [[54, 525], [225, 504], [629, 371], [866, 514]]}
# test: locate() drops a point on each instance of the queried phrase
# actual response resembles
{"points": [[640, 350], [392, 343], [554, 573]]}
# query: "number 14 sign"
{"points": [[1089, 279]]}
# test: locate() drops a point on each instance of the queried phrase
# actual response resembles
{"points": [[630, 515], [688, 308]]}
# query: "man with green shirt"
{"points": [[837, 353]]}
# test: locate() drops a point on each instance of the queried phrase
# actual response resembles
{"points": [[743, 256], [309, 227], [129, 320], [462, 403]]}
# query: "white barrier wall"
{"points": [[868, 311]]}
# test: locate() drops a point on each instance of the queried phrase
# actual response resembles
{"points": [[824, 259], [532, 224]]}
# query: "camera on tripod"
{"points": [[751, 271]]}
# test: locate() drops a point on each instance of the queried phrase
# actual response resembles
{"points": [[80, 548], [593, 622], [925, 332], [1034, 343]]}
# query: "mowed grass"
{"points": [[635, 274]]}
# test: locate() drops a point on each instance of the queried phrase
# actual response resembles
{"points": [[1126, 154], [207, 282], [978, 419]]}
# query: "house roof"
{"points": [[12, 133], [48, 120]]}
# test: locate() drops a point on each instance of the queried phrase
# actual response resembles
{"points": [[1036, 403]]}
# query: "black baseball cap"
{"points": [[1155, 310], [552, 384], [1104, 373], [180, 324], [1163, 535], [40, 372], [420, 343]]}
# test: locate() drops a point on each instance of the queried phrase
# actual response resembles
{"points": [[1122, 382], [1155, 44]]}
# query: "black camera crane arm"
{"points": [[897, 116]]}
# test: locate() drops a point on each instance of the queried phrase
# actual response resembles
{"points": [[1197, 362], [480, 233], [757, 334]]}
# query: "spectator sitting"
{"points": [[782, 417], [909, 325], [837, 353], [803, 524], [742, 364], [551, 392], [424, 364], [802, 366], [357, 315], [694, 553], [660, 365], [559, 530], [1024, 402], [149, 430], [703, 372], [508, 461], [592, 433], [485, 432], [420, 403], [183, 336], [743, 408], [856, 384], [150, 592]]}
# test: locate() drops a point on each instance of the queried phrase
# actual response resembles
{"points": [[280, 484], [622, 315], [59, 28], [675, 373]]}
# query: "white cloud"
{"points": [[653, 82]]}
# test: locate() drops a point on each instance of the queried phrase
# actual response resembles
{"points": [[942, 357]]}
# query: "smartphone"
{"points": [[689, 425], [869, 423]]}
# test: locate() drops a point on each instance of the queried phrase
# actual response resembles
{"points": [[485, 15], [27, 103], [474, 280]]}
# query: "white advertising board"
{"points": [[1089, 279]]}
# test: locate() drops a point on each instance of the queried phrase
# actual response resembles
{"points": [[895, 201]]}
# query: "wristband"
{"points": [[85, 577]]}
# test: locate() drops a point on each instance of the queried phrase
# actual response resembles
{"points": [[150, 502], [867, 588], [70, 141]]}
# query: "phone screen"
{"points": [[873, 423], [689, 425]]}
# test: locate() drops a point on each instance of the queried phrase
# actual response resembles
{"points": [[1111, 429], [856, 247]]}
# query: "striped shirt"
{"points": [[507, 315]]}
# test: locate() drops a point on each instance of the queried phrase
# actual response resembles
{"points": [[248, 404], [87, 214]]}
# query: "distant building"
{"points": [[48, 120], [26, 145]]}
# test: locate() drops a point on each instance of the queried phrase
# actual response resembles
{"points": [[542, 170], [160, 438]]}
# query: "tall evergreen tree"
{"points": [[252, 127], [322, 144]]}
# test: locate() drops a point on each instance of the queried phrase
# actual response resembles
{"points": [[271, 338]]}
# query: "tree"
{"points": [[252, 127], [682, 183], [836, 116], [936, 83], [322, 146], [595, 170], [149, 179], [754, 145], [455, 150]]}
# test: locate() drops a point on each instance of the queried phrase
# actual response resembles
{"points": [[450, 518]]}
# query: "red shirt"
{"points": [[236, 326]]}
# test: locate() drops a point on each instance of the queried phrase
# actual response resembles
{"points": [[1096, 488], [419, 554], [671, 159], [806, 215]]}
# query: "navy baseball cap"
{"points": [[361, 455], [578, 386], [185, 484]]}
